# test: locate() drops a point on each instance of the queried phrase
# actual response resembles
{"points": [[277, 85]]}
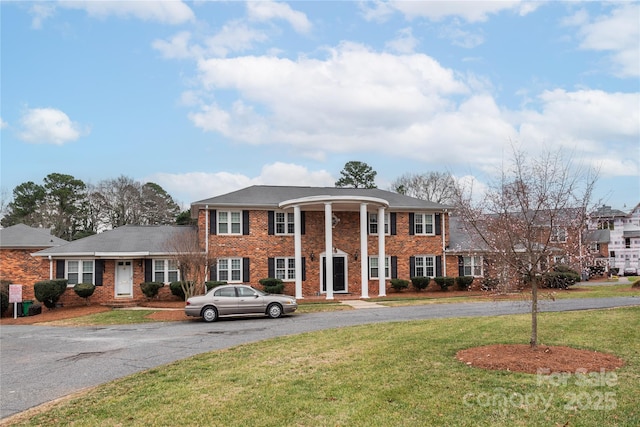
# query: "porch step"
{"points": [[120, 303]]}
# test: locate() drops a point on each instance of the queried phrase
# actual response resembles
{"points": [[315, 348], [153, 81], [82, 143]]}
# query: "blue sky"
{"points": [[207, 97]]}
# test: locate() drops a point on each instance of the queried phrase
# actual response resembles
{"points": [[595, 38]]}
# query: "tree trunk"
{"points": [[534, 313]]}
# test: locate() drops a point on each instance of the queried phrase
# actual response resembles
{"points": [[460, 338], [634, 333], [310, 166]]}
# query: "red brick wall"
{"points": [[19, 267], [259, 246]]}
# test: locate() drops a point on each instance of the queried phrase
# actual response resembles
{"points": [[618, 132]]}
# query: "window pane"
{"points": [[87, 266], [72, 278], [173, 276], [173, 264], [72, 266], [158, 276], [87, 278]]}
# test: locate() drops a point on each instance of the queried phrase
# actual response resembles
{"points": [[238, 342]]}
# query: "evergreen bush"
{"points": [[444, 282], [464, 282], [84, 290], [399, 284], [49, 292], [213, 284], [272, 285], [150, 289], [177, 289], [420, 282]]}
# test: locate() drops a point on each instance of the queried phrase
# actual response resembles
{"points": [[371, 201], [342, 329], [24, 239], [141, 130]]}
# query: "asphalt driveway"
{"points": [[40, 363]]}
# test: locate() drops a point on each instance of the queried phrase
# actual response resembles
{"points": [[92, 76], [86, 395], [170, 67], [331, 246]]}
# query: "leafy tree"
{"points": [[437, 187], [65, 204], [158, 207], [25, 208], [513, 220], [357, 175], [184, 218]]}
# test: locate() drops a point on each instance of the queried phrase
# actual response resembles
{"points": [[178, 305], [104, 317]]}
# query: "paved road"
{"points": [[40, 363]]}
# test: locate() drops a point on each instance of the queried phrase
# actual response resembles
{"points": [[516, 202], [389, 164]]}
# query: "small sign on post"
{"points": [[15, 296]]}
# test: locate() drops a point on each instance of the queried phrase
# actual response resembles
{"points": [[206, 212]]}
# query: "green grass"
{"points": [[113, 317], [394, 374]]}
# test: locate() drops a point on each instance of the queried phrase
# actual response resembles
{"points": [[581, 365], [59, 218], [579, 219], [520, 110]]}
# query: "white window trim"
{"points": [[473, 265], [287, 269], [387, 267], [288, 221], [165, 270], [556, 233], [229, 270], [372, 222], [424, 224], [424, 257], [229, 223], [80, 272]]}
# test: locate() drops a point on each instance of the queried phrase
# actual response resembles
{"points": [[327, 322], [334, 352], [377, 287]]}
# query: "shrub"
{"points": [[4, 295], [49, 292], [399, 284], [636, 284], [177, 290], [561, 277], [464, 282], [272, 285], [489, 284], [444, 282], [84, 290], [213, 284], [150, 289], [420, 282], [614, 271]]}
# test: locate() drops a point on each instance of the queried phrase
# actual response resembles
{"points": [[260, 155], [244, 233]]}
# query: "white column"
{"points": [[364, 253], [328, 249], [381, 256], [297, 248]]}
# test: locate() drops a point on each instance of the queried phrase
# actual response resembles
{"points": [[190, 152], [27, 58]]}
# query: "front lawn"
{"points": [[393, 374]]}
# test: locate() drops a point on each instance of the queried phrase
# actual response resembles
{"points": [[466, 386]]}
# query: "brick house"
{"points": [[323, 240], [116, 261], [17, 243]]}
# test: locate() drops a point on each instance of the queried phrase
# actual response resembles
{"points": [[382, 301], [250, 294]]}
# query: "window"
{"points": [[558, 234], [594, 247], [627, 243], [230, 269], [225, 292], [284, 223], [229, 222], [79, 271], [425, 266], [374, 270], [373, 223], [285, 268], [165, 270], [472, 266], [423, 224]]}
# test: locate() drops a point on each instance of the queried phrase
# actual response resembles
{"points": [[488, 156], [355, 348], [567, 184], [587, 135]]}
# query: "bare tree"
{"points": [[193, 260], [437, 187], [518, 218]]}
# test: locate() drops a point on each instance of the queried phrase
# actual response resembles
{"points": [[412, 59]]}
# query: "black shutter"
{"points": [[271, 223], [304, 269], [394, 267], [271, 267], [392, 224], [439, 265], [213, 222], [412, 220], [148, 270], [60, 269], [302, 222], [245, 223], [246, 275], [99, 269], [460, 266], [412, 266], [213, 273], [438, 224]]}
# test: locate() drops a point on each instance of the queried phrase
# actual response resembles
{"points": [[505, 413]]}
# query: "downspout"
{"points": [[444, 240], [50, 268], [206, 241]]}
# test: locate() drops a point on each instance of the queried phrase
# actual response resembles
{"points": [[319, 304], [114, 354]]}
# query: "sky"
{"points": [[208, 97]]}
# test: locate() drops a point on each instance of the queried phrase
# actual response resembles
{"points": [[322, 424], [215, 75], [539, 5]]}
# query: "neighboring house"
{"points": [[613, 239], [16, 263], [116, 261], [323, 240]]}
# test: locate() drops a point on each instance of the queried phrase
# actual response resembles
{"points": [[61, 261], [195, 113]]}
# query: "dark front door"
{"points": [[339, 283]]}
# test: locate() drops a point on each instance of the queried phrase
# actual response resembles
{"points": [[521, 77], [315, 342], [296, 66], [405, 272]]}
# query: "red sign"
{"points": [[15, 293]]}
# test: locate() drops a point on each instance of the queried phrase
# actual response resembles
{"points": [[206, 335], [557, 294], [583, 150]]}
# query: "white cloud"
{"points": [[3, 124], [235, 36], [49, 126], [190, 187], [41, 12], [405, 42], [172, 12], [470, 11], [268, 10], [617, 33], [177, 47]]}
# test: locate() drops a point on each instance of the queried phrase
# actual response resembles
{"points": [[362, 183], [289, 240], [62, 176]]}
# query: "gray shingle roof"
{"points": [[138, 240], [22, 236], [269, 196]]}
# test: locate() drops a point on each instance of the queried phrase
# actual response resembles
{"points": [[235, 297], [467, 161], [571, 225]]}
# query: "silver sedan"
{"points": [[227, 300]]}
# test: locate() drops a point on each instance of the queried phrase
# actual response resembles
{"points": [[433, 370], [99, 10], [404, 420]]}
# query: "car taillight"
{"points": [[188, 302]]}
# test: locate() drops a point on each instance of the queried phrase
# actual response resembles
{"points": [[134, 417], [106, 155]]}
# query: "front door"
{"points": [[124, 279], [339, 282]]}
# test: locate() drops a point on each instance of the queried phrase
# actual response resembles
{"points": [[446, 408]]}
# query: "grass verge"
{"points": [[393, 374]]}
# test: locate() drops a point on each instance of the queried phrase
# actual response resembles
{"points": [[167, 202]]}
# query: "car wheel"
{"points": [[210, 314], [274, 311]]}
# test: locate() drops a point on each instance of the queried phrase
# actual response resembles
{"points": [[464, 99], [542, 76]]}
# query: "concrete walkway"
{"points": [[358, 303]]}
